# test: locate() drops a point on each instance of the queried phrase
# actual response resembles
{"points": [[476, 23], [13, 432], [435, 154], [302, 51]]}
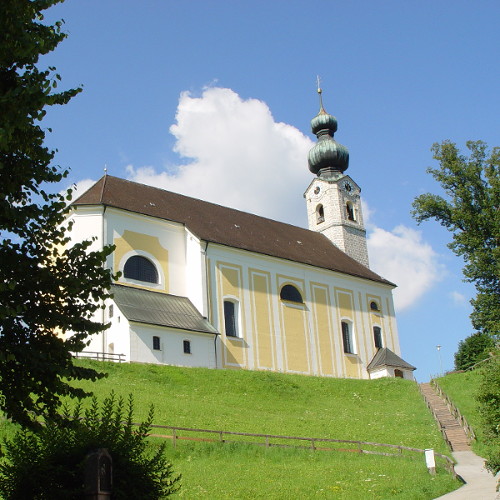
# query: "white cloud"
{"points": [[240, 157], [402, 257]]}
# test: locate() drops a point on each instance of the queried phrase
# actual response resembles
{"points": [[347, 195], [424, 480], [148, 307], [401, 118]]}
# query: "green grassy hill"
{"points": [[385, 410]]}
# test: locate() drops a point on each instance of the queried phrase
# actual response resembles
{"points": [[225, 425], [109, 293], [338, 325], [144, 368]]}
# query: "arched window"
{"points": [[231, 318], [377, 337], [350, 211], [290, 293], [186, 344], [347, 338], [320, 214], [139, 268], [374, 306], [156, 343], [398, 373]]}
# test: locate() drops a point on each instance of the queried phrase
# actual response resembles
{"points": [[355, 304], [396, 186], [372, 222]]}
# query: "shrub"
{"points": [[489, 401], [473, 349], [48, 463]]}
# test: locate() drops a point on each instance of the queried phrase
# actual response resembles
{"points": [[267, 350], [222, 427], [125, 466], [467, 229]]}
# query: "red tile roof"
{"points": [[226, 226]]}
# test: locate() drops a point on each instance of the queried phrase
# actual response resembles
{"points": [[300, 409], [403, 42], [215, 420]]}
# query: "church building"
{"points": [[209, 286]]}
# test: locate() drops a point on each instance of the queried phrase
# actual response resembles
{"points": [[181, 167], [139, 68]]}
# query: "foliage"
{"points": [[489, 401], [471, 212], [472, 350], [49, 462], [43, 288]]}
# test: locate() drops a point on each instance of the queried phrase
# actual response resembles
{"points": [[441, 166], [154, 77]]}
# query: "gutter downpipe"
{"points": [[102, 245]]}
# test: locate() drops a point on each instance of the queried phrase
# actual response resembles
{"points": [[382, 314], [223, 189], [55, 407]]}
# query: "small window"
{"points": [[187, 346], [141, 269], [230, 318], [110, 311], [156, 343], [320, 214], [290, 293], [350, 211], [377, 337], [347, 338], [398, 373], [374, 306]]}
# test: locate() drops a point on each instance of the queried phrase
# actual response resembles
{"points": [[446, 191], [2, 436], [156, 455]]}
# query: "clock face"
{"points": [[348, 187]]}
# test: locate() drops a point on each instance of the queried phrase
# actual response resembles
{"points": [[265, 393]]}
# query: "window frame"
{"points": [[347, 337], [156, 343], [288, 287], [377, 337], [231, 318], [138, 270], [186, 346]]}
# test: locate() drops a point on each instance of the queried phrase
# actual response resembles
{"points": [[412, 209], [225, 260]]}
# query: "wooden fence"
{"points": [[311, 443]]}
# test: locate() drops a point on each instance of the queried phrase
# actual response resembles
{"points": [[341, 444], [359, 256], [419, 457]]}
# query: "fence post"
{"points": [[312, 445], [174, 438]]}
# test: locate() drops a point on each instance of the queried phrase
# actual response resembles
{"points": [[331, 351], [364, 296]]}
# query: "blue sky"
{"points": [[214, 99]]}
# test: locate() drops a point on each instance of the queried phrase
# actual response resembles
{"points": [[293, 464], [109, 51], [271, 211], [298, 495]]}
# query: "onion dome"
{"points": [[328, 157]]}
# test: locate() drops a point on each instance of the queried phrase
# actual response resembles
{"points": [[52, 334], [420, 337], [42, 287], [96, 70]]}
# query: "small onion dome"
{"points": [[323, 121], [328, 155]]}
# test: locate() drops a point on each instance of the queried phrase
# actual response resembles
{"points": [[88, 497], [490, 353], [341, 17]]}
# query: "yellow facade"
{"points": [[132, 241]]}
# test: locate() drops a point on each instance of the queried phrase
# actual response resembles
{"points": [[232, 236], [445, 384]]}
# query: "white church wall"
{"points": [[171, 343], [87, 224]]}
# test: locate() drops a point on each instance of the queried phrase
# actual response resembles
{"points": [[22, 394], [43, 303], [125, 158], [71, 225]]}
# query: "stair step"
{"points": [[453, 430]]}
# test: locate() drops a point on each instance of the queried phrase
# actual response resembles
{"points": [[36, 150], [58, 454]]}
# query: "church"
{"points": [[204, 285]]}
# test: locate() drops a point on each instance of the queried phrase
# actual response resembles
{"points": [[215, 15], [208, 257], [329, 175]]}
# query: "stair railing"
{"points": [[469, 431]]}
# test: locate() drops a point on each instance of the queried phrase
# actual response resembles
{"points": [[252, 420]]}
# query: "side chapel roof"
{"points": [[226, 226], [385, 357], [161, 309]]}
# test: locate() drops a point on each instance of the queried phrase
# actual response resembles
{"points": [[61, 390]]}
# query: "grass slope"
{"points": [[385, 410]]}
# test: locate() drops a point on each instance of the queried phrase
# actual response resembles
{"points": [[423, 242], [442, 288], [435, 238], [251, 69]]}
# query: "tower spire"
{"points": [[328, 158]]}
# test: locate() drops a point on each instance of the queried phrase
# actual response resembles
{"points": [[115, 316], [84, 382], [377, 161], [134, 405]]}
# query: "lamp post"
{"points": [[438, 347]]}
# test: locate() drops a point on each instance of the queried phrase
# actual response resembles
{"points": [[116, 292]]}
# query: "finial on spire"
{"points": [[105, 169], [320, 92]]}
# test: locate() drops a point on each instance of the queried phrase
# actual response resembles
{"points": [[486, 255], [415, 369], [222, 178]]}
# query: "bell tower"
{"points": [[333, 198]]}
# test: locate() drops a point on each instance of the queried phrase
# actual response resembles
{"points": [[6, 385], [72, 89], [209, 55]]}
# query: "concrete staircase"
{"points": [[450, 427]]}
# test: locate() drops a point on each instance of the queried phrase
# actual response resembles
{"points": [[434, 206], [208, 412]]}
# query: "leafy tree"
{"points": [[471, 211], [49, 463], [43, 288], [489, 403], [472, 350]]}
